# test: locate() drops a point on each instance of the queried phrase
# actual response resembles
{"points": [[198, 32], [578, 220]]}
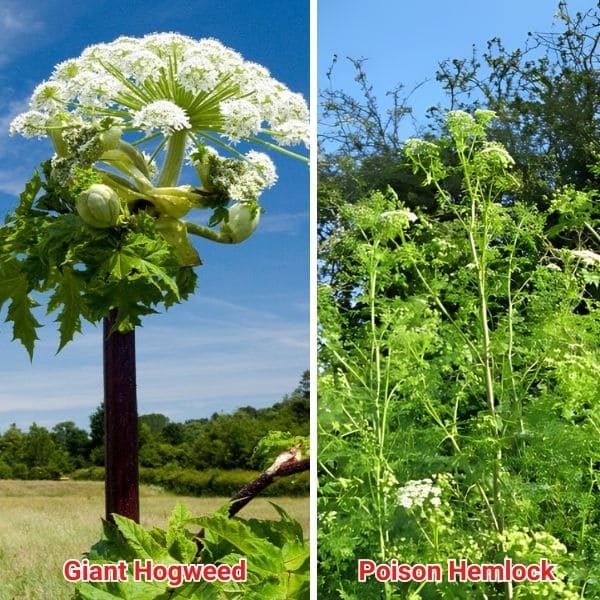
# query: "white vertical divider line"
{"points": [[313, 296]]}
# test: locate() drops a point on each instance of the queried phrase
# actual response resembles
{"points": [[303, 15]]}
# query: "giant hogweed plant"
{"points": [[103, 228], [458, 412], [105, 222]]}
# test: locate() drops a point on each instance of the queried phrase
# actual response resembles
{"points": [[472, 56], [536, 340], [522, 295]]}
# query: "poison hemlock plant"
{"points": [[458, 414]]}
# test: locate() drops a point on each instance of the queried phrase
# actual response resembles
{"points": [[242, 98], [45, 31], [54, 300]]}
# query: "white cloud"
{"points": [[13, 183], [13, 20], [286, 223], [18, 26], [18, 156], [227, 356]]}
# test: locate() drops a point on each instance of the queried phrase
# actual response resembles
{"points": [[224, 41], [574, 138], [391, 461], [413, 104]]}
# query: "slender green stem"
{"points": [[592, 231], [479, 255], [439, 303], [516, 399], [479, 259], [208, 233]]}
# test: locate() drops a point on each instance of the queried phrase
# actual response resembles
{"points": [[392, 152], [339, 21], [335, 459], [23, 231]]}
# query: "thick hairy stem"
{"points": [[120, 422], [263, 481]]}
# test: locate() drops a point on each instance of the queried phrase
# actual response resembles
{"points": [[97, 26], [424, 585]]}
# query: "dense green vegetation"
{"points": [[214, 455], [459, 326]]}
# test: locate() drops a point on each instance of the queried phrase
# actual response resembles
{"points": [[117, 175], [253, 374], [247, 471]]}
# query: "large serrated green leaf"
{"points": [[27, 196], [298, 586], [292, 528], [270, 591], [112, 547], [129, 590], [68, 293], [129, 263], [277, 532], [180, 516], [263, 556], [197, 591], [89, 591], [139, 540], [295, 555], [140, 590], [21, 315], [178, 539], [161, 275], [10, 276], [182, 548]]}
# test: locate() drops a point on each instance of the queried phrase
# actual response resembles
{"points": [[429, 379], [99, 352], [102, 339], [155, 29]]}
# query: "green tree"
{"points": [[226, 442], [172, 433], [547, 98], [155, 421], [73, 440], [44, 458], [12, 453], [97, 436]]}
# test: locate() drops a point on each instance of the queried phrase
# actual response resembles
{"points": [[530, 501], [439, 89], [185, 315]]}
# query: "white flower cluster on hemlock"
{"points": [[416, 493], [164, 83]]}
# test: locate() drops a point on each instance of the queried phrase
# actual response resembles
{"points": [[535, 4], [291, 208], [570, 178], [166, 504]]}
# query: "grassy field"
{"points": [[43, 523]]}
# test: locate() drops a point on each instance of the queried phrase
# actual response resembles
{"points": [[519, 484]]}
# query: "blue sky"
{"points": [[403, 41], [244, 337]]}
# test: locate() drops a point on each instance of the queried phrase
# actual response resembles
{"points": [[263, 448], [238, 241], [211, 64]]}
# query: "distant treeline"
{"points": [[171, 454]]}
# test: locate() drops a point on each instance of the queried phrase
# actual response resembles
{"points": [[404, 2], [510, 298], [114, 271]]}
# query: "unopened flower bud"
{"points": [[99, 206], [243, 220]]}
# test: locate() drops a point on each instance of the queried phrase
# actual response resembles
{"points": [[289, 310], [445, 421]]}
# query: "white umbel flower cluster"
{"points": [[499, 153], [402, 213], [242, 118], [163, 115], [587, 256], [30, 124], [418, 493], [168, 82], [244, 181]]}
